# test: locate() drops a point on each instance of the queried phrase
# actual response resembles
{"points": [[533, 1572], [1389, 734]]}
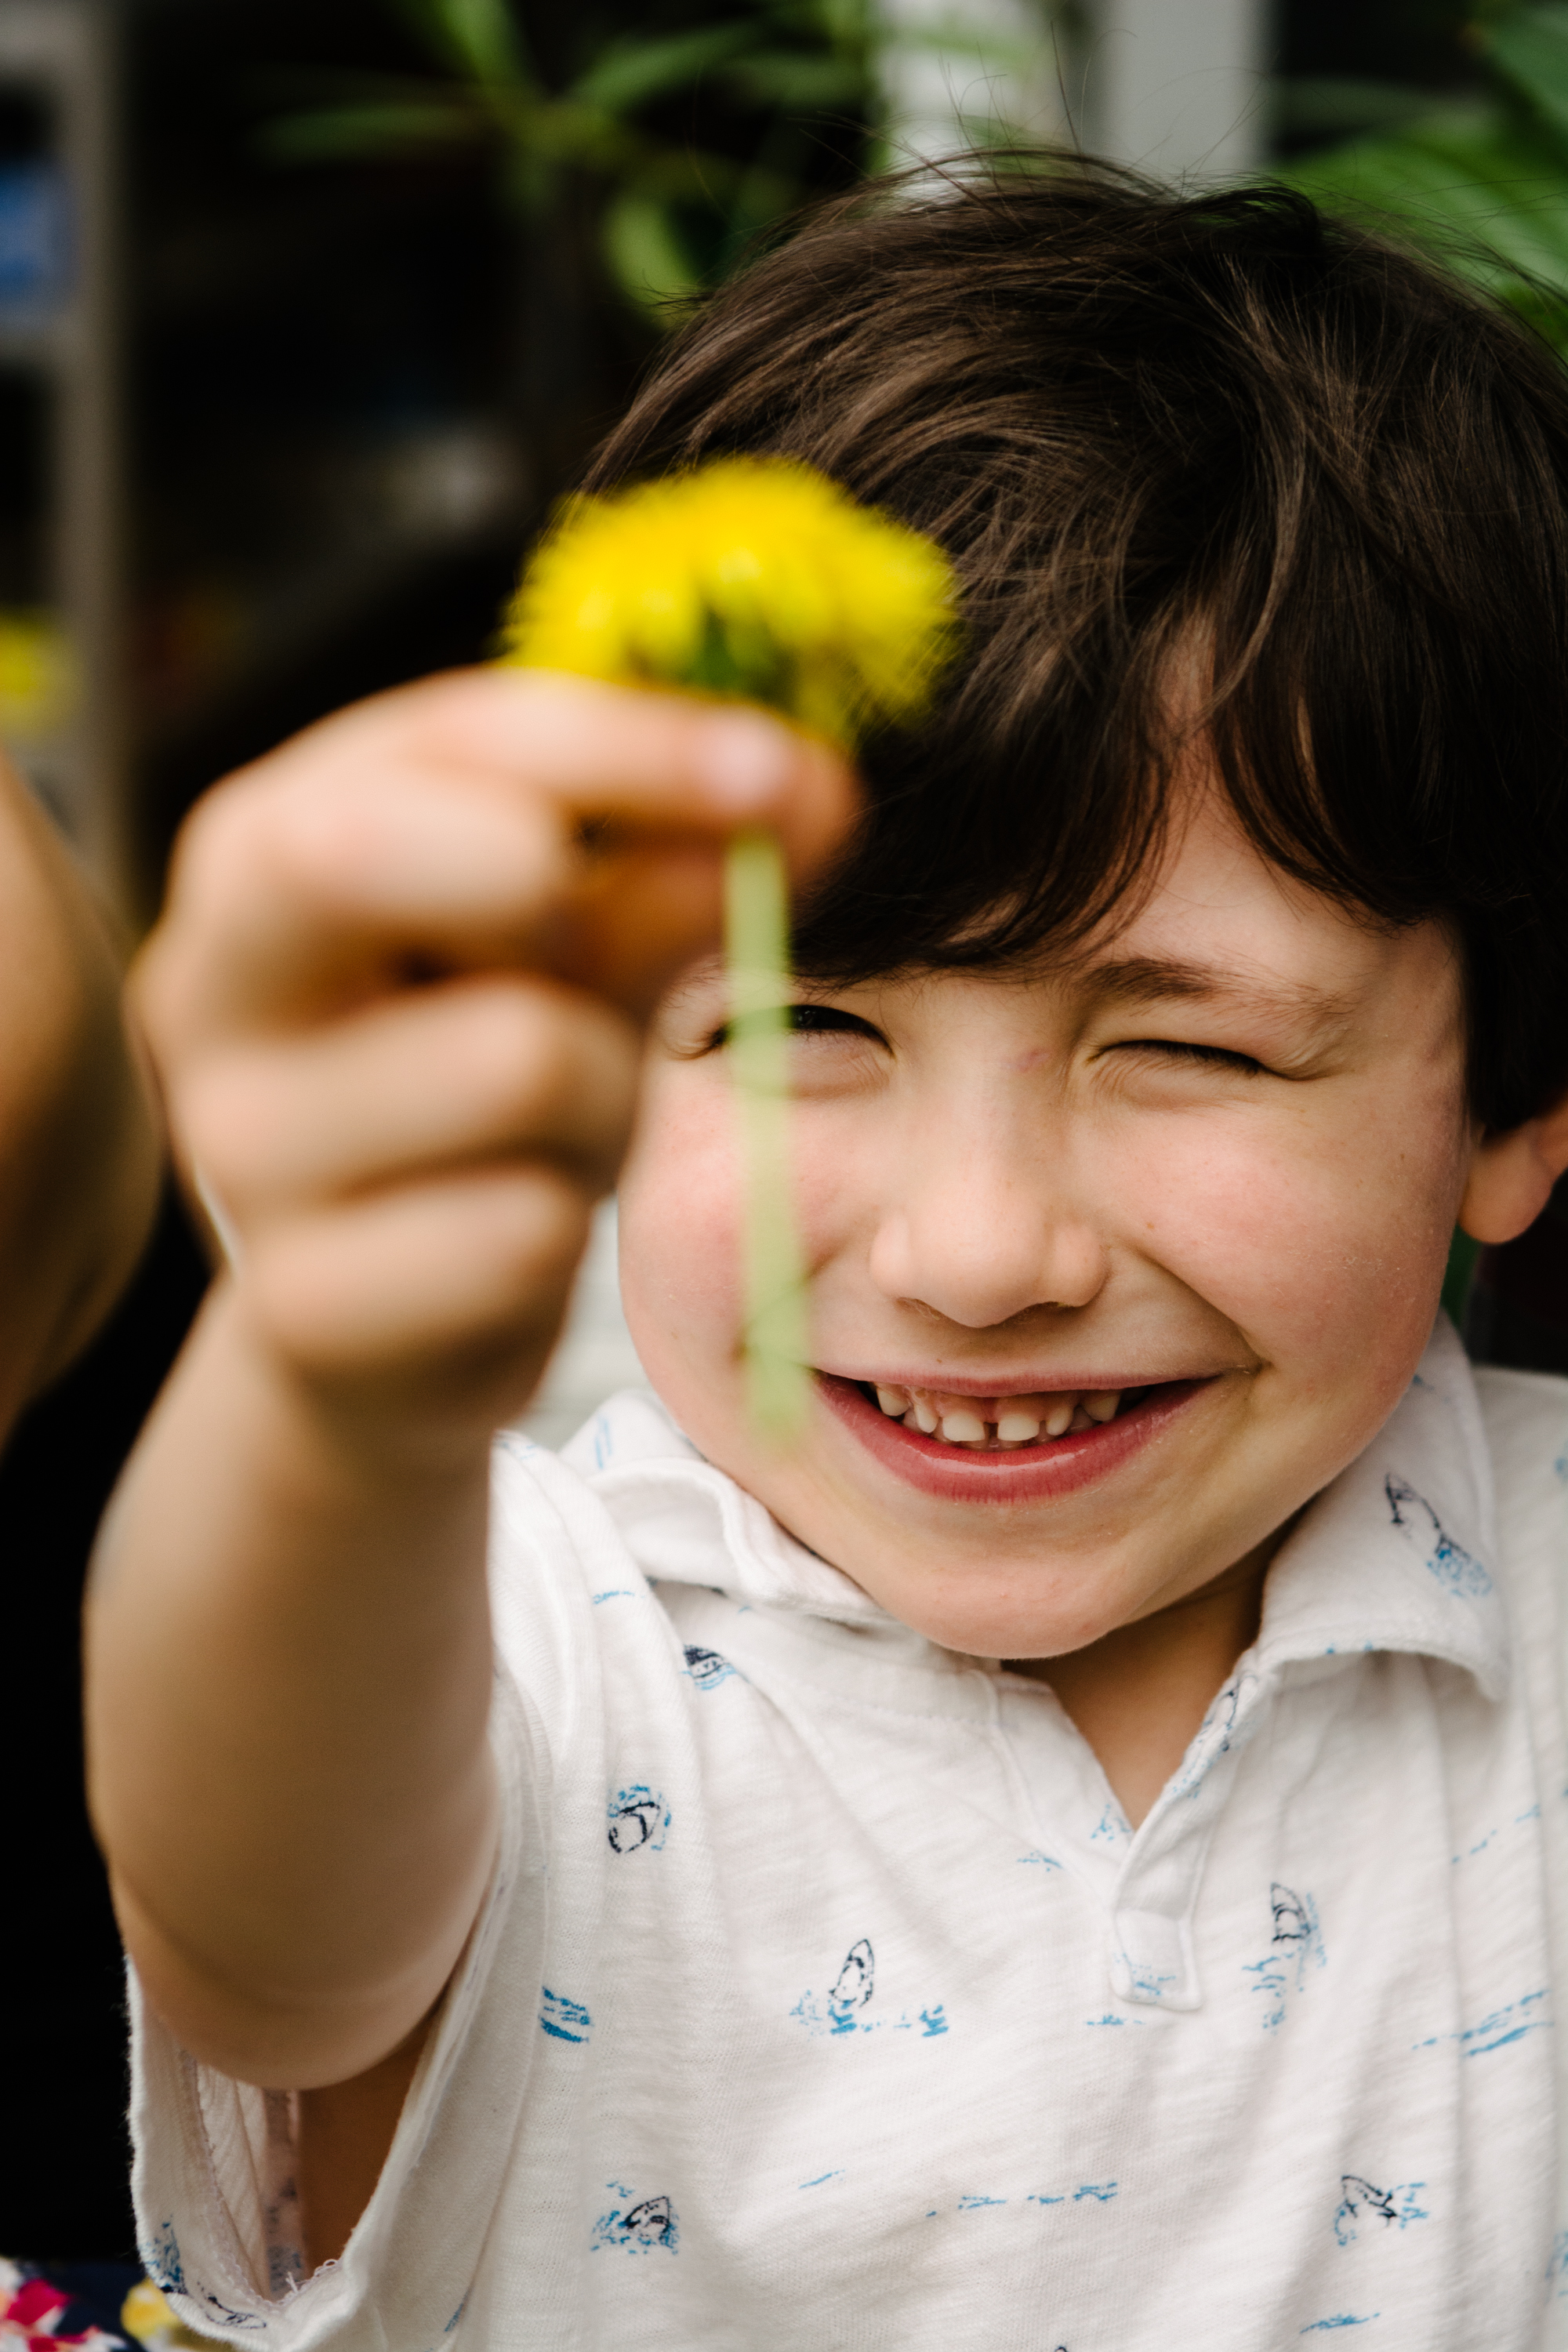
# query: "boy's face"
{"points": [[1212, 1169]]}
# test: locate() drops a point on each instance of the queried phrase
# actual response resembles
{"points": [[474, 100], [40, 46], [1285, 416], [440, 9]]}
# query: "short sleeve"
{"points": [[216, 2208]]}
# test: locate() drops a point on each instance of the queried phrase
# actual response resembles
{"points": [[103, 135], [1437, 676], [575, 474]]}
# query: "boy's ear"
{"points": [[1511, 1176]]}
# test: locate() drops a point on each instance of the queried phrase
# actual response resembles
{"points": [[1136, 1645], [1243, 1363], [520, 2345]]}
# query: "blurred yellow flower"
{"points": [[145, 2315], [749, 577], [39, 685]]}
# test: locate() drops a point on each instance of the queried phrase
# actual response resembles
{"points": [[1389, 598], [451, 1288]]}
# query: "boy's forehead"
{"points": [[1214, 921], [1217, 920]]}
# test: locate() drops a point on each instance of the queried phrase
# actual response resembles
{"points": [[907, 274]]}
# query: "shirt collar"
{"points": [[686, 1522], [1393, 1555], [1398, 1552]]}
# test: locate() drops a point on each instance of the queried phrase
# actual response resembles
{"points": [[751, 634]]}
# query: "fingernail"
{"points": [[744, 759]]}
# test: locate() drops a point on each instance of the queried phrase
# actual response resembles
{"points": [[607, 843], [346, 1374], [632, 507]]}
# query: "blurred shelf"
{"points": [[43, 340], [392, 510]]}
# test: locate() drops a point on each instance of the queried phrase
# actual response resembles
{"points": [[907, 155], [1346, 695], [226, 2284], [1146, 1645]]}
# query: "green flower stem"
{"points": [[756, 926]]}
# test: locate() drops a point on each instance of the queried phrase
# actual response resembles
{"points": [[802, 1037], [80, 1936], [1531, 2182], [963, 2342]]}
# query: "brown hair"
{"points": [[1138, 423]]}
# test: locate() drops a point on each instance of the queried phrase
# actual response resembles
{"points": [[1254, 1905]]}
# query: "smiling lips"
{"points": [[985, 1424], [1009, 1449]]}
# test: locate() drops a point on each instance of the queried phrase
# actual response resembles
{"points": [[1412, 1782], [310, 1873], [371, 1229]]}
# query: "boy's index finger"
{"points": [[646, 755], [444, 822]]}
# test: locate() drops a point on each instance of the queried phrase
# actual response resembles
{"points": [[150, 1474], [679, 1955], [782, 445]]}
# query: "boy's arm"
{"points": [[79, 1168], [396, 1003]]}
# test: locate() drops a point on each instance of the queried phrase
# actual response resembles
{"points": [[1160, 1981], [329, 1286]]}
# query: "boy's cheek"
{"points": [[680, 1206], [682, 1199], [1325, 1250]]}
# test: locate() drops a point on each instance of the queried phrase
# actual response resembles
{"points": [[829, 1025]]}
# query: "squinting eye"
{"points": [[811, 1020], [817, 1020], [1181, 1049]]}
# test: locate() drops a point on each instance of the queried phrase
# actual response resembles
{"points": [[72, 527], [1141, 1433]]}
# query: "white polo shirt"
{"points": [[825, 2001]]}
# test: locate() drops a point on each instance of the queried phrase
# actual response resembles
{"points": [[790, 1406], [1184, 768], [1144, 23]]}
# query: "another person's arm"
{"points": [[79, 1149], [396, 1004]]}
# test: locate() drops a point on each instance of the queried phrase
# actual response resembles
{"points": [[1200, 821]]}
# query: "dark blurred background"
{"points": [[309, 311]]}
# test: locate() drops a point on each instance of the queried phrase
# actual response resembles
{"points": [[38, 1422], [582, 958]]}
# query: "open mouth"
{"points": [[1005, 1448]]}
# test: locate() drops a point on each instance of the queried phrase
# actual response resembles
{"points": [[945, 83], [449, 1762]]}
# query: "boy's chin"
{"points": [[1058, 1609], [1051, 1607]]}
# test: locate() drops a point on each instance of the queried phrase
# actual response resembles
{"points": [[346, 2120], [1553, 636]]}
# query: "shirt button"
{"points": [[1151, 1961]]}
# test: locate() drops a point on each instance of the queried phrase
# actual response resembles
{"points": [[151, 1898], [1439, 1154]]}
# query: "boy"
{"points": [[1071, 1854]]}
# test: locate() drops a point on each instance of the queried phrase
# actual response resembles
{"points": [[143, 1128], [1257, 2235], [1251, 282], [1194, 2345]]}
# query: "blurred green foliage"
{"points": [[690, 128], [1482, 176]]}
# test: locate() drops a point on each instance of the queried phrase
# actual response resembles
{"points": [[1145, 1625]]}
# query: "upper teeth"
{"points": [[997, 1421]]}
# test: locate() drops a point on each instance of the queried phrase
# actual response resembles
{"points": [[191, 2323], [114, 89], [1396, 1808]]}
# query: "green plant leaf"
{"points": [[674, 214], [850, 24], [1484, 184], [689, 175], [631, 73], [1530, 52], [1488, 196], [482, 36], [954, 38], [648, 257], [797, 81], [1334, 106]]}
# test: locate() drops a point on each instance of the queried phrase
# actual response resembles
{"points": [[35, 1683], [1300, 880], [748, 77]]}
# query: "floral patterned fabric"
{"points": [[85, 2307]]}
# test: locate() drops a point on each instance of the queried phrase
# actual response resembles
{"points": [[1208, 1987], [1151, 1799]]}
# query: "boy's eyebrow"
{"points": [[1139, 979]]}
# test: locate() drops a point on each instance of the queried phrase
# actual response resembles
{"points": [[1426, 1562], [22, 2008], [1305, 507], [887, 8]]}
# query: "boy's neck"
{"points": [[1138, 1694]]}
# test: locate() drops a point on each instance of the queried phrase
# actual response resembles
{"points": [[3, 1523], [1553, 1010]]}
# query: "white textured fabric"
{"points": [[824, 2000]]}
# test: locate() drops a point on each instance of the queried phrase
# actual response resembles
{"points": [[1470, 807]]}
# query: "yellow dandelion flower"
{"points": [[757, 578], [753, 577]]}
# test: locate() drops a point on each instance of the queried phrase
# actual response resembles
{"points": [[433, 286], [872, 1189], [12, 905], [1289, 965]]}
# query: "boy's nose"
{"points": [[979, 1262]]}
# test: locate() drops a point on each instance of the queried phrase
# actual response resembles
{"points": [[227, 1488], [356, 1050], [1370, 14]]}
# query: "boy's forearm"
{"points": [[290, 1674]]}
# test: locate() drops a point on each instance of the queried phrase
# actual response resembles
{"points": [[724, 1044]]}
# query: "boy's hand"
{"points": [[395, 999]]}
